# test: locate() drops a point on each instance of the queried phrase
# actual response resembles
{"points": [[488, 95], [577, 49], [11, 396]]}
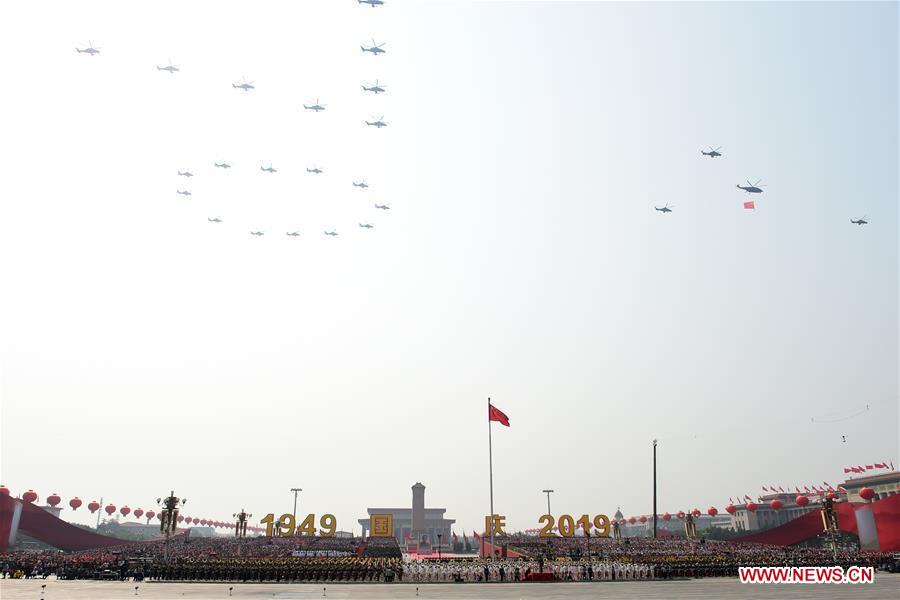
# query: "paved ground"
{"points": [[886, 586]]}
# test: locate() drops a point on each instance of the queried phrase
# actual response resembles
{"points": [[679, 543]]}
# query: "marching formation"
{"points": [[311, 559]]}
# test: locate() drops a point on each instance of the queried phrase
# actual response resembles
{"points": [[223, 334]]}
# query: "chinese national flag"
{"points": [[846, 470], [495, 414], [750, 204]]}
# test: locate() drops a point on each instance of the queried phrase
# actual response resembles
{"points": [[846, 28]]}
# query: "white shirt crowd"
{"points": [[473, 571]]}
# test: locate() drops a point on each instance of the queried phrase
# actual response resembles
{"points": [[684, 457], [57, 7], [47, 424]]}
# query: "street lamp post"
{"points": [[240, 529], [440, 541], [654, 488], [296, 491], [168, 517], [548, 492]]}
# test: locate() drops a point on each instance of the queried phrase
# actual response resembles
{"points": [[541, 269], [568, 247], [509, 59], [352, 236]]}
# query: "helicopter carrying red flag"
{"points": [[750, 205]]}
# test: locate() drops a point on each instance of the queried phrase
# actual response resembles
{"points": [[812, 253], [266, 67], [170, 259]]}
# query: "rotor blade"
{"points": [[757, 182], [719, 148]]}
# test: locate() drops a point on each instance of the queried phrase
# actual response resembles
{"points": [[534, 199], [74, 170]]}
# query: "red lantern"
{"points": [[138, 512], [75, 503], [643, 519], [180, 518], [751, 506], [696, 512], [159, 517], [110, 509], [801, 500], [124, 510], [53, 499], [776, 504], [29, 496], [731, 509], [93, 506], [4, 491], [150, 515], [632, 520], [866, 493], [667, 517], [713, 511], [196, 520], [203, 522], [680, 514]]}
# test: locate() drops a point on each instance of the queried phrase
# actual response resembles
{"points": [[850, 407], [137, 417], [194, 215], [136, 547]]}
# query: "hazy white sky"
{"points": [[145, 349]]}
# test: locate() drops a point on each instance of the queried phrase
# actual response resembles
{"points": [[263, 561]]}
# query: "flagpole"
{"points": [[491, 472]]}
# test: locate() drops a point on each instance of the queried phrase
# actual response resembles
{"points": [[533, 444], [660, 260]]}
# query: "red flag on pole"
{"points": [[846, 470], [495, 414], [750, 205]]}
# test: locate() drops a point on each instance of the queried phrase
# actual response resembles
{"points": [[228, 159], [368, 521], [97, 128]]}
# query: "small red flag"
{"points": [[750, 204], [495, 414]]}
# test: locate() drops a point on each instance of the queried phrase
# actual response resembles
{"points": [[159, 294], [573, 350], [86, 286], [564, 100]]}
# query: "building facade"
{"points": [[766, 517], [415, 524], [884, 485]]}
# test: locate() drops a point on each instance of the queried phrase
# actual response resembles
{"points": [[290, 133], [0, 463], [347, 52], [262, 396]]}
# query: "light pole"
{"points": [[296, 491], [654, 488], [168, 516], [240, 527], [548, 492], [241, 524]]}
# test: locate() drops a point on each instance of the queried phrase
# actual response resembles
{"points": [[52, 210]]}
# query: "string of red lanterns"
{"points": [[54, 499]]}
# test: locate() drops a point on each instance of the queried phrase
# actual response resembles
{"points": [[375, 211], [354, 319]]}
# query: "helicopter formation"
{"points": [[246, 86], [750, 188]]}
